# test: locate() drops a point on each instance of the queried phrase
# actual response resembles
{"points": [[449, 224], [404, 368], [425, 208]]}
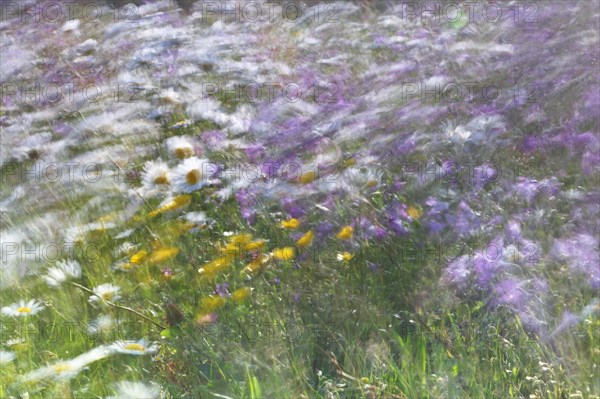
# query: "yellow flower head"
{"points": [[162, 255], [290, 224], [241, 294], [176, 203], [255, 245], [256, 265], [307, 177], [345, 233], [346, 163], [306, 239], [240, 239], [138, 257], [286, 253], [211, 303], [216, 266], [413, 212], [345, 257]]}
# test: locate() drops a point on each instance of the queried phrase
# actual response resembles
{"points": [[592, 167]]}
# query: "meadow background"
{"points": [[249, 199]]}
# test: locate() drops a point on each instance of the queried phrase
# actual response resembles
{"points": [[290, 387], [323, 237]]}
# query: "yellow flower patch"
{"points": [[345, 233], [290, 224], [240, 294], [286, 253], [162, 255], [306, 239], [138, 257]]}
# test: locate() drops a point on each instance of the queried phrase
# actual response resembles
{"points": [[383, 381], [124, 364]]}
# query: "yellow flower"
{"points": [[346, 163], [254, 245], [286, 253], [241, 294], [233, 248], [215, 266], [211, 303], [307, 177], [240, 239], [138, 257], [306, 239], [256, 265], [345, 233], [290, 224], [175, 203], [345, 257], [182, 226], [413, 212], [162, 255]]}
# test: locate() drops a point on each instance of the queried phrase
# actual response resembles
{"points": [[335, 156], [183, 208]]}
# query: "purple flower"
{"points": [[509, 292], [513, 230], [222, 291], [485, 270], [458, 272], [581, 252], [568, 320], [255, 152], [324, 229], [374, 267]]}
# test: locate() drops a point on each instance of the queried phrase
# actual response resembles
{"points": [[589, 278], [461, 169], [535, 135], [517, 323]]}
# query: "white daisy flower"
{"points": [[22, 308], [32, 147], [156, 176], [195, 217], [135, 390], [141, 347], [127, 248], [180, 147], [124, 234], [15, 342], [63, 271], [67, 369], [102, 324], [189, 175], [6, 357], [105, 292]]}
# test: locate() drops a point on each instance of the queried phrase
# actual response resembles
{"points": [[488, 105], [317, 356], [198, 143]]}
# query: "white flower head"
{"points": [[156, 176], [135, 390], [23, 308], [63, 271], [141, 347], [196, 217], [6, 357], [180, 147], [102, 324], [191, 174], [105, 292], [67, 369]]}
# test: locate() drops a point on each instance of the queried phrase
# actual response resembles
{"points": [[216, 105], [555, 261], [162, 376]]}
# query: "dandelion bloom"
{"points": [[345, 256], [171, 204], [241, 294], [138, 257], [306, 239], [163, 254], [211, 303], [286, 253], [345, 233], [290, 224]]}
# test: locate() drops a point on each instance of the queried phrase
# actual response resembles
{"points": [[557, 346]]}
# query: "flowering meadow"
{"points": [[299, 199]]}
